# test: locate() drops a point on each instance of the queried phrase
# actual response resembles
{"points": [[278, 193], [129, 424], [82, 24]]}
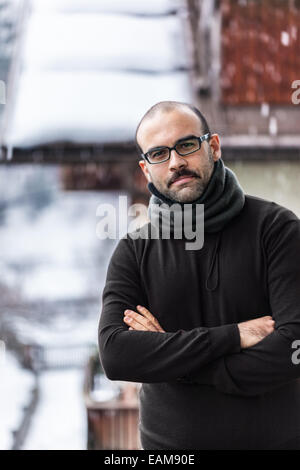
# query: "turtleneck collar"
{"points": [[223, 198]]}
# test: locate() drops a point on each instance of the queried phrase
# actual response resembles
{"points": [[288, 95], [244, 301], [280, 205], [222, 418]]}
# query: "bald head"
{"points": [[167, 107]]}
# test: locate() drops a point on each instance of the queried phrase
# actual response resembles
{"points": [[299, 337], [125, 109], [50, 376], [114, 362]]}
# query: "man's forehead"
{"points": [[166, 126]]}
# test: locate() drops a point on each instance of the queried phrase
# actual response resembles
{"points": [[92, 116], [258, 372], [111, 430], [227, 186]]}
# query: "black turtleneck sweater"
{"points": [[230, 398]]}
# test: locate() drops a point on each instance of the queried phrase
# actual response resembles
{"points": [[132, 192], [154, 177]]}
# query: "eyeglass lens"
{"points": [[184, 147]]}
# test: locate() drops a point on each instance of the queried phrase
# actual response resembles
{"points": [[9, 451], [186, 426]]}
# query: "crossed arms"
{"points": [[231, 358]]}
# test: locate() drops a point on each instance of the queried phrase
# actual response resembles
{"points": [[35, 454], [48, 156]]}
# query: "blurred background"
{"points": [[75, 78]]}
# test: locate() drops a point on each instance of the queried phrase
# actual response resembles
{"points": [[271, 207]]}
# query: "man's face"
{"points": [[166, 128]]}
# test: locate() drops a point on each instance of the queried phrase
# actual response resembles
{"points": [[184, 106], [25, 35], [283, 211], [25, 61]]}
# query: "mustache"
{"points": [[183, 173]]}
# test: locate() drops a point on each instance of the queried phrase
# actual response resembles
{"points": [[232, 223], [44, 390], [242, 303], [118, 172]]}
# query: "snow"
{"points": [[66, 341], [60, 419], [265, 109], [87, 72], [285, 38], [105, 389], [145, 7], [54, 266], [54, 249], [13, 380], [89, 106], [51, 258], [60, 331], [52, 242], [43, 248], [273, 127], [95, 42], [2, 92]]}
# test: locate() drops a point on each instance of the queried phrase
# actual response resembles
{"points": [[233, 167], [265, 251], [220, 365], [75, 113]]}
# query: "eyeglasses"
{"points": [[183, 147]]}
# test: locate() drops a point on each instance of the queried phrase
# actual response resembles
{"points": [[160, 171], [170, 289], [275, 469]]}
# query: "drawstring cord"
{"points": [[214, 266]]}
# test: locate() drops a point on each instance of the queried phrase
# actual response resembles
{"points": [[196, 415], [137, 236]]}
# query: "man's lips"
{"points": [[183, 179]]}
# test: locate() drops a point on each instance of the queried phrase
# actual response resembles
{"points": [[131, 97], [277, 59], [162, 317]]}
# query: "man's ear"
{"points": [[215, 146], [143, 166]]}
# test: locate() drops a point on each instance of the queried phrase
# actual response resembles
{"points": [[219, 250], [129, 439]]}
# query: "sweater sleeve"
{"points": [[271, 362], [148, 356]]}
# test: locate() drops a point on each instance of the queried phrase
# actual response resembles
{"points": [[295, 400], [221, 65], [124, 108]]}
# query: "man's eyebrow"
{"points": [[191, 136]]}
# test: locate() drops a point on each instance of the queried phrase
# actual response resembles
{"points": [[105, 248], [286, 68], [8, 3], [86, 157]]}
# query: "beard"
{"points": [[192, 190]]}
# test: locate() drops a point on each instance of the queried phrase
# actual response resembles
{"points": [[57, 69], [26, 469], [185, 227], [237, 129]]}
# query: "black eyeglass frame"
{"points": [[200, 139]]}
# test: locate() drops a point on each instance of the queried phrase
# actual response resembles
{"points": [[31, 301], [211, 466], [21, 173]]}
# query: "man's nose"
{"points": [[176, 160]]}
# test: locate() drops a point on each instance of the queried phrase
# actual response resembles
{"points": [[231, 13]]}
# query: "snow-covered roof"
{"points": [[89, 77], [97, 41], [88, 107], [133, 7]]}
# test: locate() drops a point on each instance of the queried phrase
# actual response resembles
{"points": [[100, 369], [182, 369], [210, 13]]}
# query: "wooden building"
{"points": [[112, 423]]}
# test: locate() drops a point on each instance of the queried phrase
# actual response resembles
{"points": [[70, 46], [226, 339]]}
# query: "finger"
{"points": [[149, 315], [130, 321], [138, 318]]}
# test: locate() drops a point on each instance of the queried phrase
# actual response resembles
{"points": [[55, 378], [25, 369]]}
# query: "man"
{"points": [[210, 333]]}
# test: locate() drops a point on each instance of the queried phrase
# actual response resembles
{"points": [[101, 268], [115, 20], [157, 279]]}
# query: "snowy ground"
{"points": [[60, 420], [15, 388]]}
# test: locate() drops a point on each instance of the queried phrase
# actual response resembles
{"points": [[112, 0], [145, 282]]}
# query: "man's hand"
{"points": [[253, 331], [143, 321]]}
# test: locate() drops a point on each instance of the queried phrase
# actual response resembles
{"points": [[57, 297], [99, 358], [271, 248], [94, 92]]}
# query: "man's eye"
{"points": [[184, 146], [159, 153]]}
